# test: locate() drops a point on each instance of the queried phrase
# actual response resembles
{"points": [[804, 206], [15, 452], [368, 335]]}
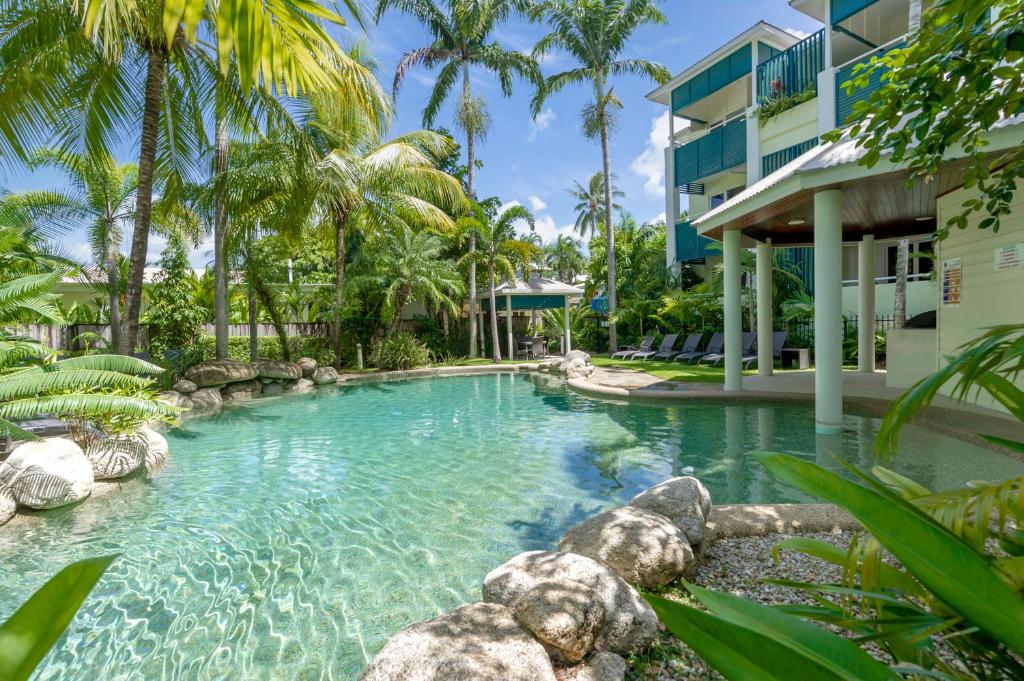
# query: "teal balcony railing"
{"points": [[690, 246], [793, 71], [846, 101], [722, 148], [772, 162]]}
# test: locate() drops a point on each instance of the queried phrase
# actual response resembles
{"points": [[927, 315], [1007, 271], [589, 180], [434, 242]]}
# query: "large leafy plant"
{"points": [[952, 606]]}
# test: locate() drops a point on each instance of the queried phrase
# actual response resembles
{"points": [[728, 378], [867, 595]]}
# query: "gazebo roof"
{"points": [[534, 286]]}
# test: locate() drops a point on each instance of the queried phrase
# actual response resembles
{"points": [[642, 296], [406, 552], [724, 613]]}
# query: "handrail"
{"points": [[863, 56], [702, 132], [792, 71]]}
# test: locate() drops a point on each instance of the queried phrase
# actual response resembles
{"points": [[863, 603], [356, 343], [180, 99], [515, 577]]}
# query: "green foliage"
{"points": [[175, 317], [400, 351], [771, 107], [959, 75], [269, 347], [35, 627]]}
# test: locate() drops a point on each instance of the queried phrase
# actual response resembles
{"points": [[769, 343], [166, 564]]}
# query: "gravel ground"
{"points": [[737, 566]]}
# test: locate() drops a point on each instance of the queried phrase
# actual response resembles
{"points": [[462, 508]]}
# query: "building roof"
{"points": [[762, 29], [535, 286]]}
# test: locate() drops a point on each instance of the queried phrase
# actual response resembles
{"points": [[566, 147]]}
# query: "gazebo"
{"points": [[536, 293]]}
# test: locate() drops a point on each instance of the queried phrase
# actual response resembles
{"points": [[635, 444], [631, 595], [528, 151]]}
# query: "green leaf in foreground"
{"points": [[746, 640], [32, 630]]}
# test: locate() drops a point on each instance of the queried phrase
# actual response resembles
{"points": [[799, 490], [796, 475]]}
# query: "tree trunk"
{"points": [[220, 224], [495, 342], [267, 299], [339, 285], [254, 344], [899, 311], [914, 18], [609, 224], [480, 326], [400, 300], [114, 292], [471, 190], [144, 197]]}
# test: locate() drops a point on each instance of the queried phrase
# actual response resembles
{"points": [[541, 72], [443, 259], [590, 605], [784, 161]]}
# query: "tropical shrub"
{"points": [[592, 337], [176, 318], [269, 347], [400, 351], [953, 605]]}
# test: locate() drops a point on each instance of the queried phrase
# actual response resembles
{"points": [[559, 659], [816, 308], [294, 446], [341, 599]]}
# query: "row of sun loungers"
{"points": [[692, 352]]}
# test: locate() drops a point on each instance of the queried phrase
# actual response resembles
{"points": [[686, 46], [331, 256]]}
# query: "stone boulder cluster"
{"points": [[207, 386], [575, 364], [56, 471], [573, 613]]}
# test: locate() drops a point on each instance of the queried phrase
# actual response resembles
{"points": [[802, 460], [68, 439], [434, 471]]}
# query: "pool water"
{"points": [[292, 537]]}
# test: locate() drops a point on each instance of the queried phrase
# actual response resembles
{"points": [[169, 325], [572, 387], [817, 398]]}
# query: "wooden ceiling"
{"points": [[883, 205]]}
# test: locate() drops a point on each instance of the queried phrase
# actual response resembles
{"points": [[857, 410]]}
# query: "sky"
{"points": [[533, 161]]}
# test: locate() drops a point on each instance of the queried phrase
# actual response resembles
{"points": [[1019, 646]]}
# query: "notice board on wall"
{"points": [[952, 282], [1009, 257]]}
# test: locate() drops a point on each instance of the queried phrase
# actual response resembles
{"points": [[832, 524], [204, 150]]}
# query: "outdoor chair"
{"points": [[778, 342], [626, 353], [715, 344], [540, 346], [691, 344], [749, 339], [667, 343], [524, 346]]}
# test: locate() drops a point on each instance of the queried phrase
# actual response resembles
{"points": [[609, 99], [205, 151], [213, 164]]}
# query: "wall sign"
{"points": [[1009, 257], [952, 282]]}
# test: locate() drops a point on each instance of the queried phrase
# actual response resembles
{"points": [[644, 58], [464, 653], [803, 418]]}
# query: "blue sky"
{"points": [[532, 162]]}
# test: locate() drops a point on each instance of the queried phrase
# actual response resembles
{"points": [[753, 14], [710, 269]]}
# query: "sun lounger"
{"points": [[778, 342], [667, 344], [691, 344], [626, 353], [714, 345], [749, 339]]}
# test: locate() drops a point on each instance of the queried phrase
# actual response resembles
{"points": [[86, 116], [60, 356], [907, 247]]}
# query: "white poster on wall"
{"points": [[1009, 257], [952, 282]]}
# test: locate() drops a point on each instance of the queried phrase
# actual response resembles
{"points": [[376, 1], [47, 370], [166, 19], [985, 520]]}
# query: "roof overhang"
{"points": [[882, 200], [761, 30]]}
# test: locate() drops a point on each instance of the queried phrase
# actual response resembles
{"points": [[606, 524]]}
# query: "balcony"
{"points": [[711, 151], [772, 162], [712, 79], [690, 246], [794, 71], [844, 9], [846, 101]]}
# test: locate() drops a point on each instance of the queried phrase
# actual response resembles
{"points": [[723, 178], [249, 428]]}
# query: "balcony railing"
{"points": [[772, 162], [690, 246], [844, 9], [793, 71], [845, 101], [722, 147]]}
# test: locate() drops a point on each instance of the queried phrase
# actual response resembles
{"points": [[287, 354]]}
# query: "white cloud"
{"points": [[797, 32], [650, 164], [536, 203], [548, 229], [505, 206], [541, 123], [660, 217], [423, 79], [80, 251]]}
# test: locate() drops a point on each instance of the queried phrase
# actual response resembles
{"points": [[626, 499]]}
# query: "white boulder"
{"points": [[643, 547], [478, 642], [7, 504], [185, 387], [308, 366], [629, 621], [47, 474], [565, 616], [176, 399], [207, 399], [325, 375], [683, 500], [301, 385]]}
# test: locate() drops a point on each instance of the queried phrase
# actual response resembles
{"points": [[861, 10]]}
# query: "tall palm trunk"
{"points": [[609, 228], [113, 286], [495, 343], [157, 63], [220, 224], [400, 299], [471, 190], [899, 312], [339, 285], [254, 344]]}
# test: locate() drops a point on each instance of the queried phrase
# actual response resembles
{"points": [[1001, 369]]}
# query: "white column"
{"points": [[866, 304], [828, 311], [764, 309], [508, 325], [568, 340], [733, 310], [671, 203]]}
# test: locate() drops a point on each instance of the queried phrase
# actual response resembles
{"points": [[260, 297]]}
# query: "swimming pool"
{"points": [[291, 537]]}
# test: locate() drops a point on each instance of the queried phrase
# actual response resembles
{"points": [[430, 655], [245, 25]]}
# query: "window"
{"points": [[718, 199], [919, 266]]}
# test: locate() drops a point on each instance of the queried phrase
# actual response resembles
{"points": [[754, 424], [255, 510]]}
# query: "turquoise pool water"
{"points": [[291, 538]]}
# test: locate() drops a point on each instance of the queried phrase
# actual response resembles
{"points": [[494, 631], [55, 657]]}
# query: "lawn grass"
{"points": [[667, 371]]}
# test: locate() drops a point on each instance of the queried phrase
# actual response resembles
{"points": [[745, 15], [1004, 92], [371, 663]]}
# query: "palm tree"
{"points": [[101, 194], [595, 33], [408, 266], [78, 87], [500, 250], [588, 203], [462, 39], [565, 257]]}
